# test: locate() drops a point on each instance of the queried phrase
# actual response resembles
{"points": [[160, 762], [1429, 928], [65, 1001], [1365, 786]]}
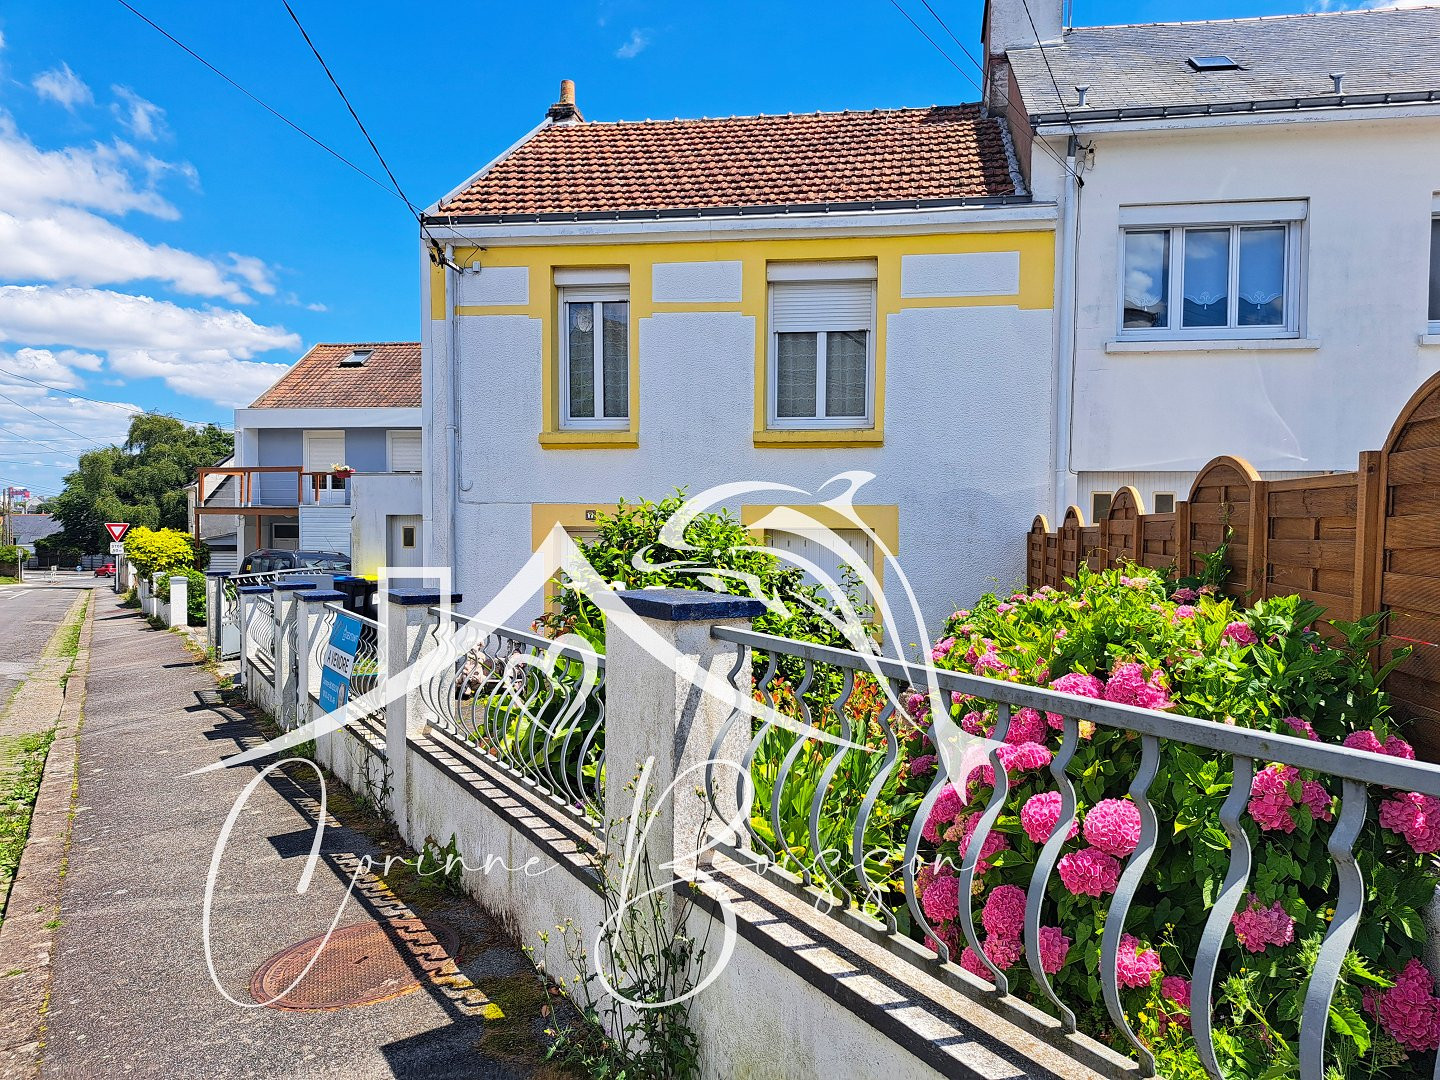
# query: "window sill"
{"points": [[820, 438], [1163, 345], [1432, 338], [589, 440]]}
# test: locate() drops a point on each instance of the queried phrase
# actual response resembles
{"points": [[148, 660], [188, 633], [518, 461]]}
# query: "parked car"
{"points": [[267, 560], [108, 570]]}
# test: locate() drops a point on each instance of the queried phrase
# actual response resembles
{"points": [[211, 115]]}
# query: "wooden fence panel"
{"points": [[1310, 541], [1122, 527], [1069, 560], [1408, 560], [1223, 495], [1159, 549], [1035, 575]]}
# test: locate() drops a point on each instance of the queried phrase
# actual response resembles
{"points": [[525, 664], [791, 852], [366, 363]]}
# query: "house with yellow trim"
{"points": [[619, 309]]}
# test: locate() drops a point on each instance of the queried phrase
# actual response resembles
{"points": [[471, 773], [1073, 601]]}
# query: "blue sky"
{"points": [[166, 243]]}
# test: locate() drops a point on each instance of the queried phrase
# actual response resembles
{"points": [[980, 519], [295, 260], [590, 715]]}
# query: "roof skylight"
{"points": [[1214, 62], [356, 358]]}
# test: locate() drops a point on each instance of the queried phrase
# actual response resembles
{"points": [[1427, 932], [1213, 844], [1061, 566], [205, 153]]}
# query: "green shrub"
{"points": [[1131, 637], [159, 551]]}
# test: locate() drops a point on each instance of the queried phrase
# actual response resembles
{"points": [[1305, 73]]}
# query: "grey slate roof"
{"points": [[1281, 57], [27, 528]]}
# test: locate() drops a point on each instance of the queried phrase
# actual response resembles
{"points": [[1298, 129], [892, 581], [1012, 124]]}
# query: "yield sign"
{"points": [[117, 529]]}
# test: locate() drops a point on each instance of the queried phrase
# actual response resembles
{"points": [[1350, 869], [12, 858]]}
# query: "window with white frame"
{"points": [[1100, 505], [1164, 502], [821, 369], [594, 353], [1211, 271], [1435, 272]]}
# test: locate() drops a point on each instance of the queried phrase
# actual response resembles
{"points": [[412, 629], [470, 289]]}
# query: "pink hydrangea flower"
{"points": [[1258, 927], [1184, 611], [941, 901], [1317, 800], [1128, 686], [1270, 799], [1414, 816], [1003, 952], [1054, 949], [1113, 826], [1026, 725], [1398, 747], [922, 765], [973, 723], [991, 662], [971, 962], [1022, 757], [1079, 684], [942, 649], [947, 806], [1364, 740], [1040, 815], [995, 843], [1301, 727], [1184, 596], [1135, 965], [1177, 989], [1004, 911], [1409, 1010], [1089, 872], [917, 704], [1240, 633]]}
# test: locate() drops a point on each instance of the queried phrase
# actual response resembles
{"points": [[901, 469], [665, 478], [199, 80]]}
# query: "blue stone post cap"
{"points": [[217, 573], [690, 605], [254, 590], [420, 597], [322, 596], [293, 586]]}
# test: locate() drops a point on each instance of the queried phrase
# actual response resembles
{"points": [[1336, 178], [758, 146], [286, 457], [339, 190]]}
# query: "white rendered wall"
{"points": [[372, 500], [1370, 183], [966, 455]]}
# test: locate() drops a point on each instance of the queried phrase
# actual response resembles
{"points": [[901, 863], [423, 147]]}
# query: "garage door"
{"points": [[811, 547]]}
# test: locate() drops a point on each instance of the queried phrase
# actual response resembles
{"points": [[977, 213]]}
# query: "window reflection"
{"points": [[1207, 277], [1147, 279], [1262, 276]]}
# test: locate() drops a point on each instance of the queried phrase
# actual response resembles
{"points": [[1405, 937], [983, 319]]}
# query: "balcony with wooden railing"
{"points": [[258, 490]]}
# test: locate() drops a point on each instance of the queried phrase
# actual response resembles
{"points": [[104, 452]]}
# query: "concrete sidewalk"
{"points": [[131, 994]]}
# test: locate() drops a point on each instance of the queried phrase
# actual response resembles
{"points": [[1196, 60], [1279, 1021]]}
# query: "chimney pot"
{"points": [[564, 110], [1338, 78]]}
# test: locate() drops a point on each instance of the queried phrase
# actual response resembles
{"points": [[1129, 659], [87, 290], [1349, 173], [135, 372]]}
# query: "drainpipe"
{"points": [[1066, 482], [452, 352]]}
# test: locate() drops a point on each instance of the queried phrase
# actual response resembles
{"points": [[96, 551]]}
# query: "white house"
{"points": [[1247, 250], [615, 310], [350, 404]]}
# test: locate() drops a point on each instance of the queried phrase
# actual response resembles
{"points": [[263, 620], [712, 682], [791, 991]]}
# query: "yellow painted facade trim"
{"points": [[882, 520], [545, 516], [589, 440], [818, 438], [1035, 248]]}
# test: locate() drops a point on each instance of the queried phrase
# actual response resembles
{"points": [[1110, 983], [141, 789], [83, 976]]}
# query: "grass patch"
{"points": [[6, 580], [24, 758]]}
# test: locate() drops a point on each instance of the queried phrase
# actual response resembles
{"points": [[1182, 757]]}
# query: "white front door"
{"points": [[810, 549]]}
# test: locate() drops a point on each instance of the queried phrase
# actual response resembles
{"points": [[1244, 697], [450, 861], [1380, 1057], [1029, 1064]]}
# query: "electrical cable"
{"points": [[1059, 97], [133, 410], [42, 416], [1004, 96]]}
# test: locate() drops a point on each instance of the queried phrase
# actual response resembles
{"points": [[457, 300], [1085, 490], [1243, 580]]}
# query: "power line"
{"points": [[264, 105], [1004, 96], [30, 438], [1059, 97], [47, 419], [133, 410], [354, 115]]}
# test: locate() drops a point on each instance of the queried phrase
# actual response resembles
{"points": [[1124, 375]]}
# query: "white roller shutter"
{"points": [[813, 306], [406, 454], [324, 449]]}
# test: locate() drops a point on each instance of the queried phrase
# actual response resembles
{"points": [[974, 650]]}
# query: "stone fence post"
{"points": [[179, 601], [661, 706], [287, 612], [215, 610], [405, 639]]}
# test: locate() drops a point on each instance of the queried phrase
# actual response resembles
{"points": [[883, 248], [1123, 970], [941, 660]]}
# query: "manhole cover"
{"points": [[359, 965]]}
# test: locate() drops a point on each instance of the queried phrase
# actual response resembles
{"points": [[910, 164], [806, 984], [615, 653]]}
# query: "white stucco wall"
{"points": [[372, 500], [1370, 183], [966, 454]]}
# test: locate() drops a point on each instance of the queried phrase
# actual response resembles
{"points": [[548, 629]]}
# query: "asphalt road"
{"points": [[29, 614]]}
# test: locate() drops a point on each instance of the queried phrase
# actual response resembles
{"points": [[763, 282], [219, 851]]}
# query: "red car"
{"points": [[108, 570]]}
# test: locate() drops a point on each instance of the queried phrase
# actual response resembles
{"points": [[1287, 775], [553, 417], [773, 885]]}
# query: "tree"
{"points": [[143, 481]]}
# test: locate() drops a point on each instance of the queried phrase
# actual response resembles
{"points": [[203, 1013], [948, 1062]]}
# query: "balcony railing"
{"points": [[272, 487]]}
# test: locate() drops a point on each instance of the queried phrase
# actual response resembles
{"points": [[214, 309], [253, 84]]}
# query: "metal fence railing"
{"points": [[533, 705], [262, 632], [834, 816]]}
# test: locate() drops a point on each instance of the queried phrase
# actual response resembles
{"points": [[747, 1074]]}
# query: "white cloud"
{"points": [[639, 39], [77, 247], [64, 87], [101, 319], [54, 368], [143, 119], [254, 271], [100, 177], [213, 375]]}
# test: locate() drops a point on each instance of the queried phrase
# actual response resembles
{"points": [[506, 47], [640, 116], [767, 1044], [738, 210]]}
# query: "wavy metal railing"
{"points": [[533, 705], [262, 631], [829, 848]]}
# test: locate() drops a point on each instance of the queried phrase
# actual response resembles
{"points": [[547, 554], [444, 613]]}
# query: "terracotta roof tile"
{"points": [[942, 152], [389, 378]]}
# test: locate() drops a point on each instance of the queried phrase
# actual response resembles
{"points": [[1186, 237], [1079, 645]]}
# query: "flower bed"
{"points": [[1129, 636]]}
